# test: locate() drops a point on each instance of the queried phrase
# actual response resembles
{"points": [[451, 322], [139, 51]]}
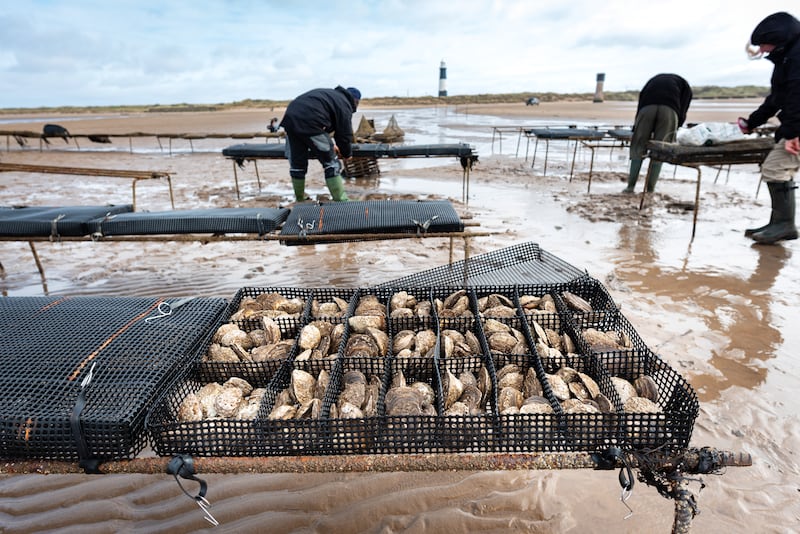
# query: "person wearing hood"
{"points": [[663, 103], [778, 36], [309, 121]]}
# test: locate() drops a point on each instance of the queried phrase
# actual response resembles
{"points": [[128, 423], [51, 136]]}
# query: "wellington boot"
{"points": [[772, 187], [783, 208], [653, 173], [633, 175], [336, 187], [299, 186]]}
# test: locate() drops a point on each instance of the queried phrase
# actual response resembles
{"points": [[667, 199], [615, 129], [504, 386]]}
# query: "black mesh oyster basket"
{"points": [[666, 426], [469, 388], [78, 374], [248, 354], [351, 405], [585, 425], [409, 433], [219, 435], [250, 304], [589, 291]]}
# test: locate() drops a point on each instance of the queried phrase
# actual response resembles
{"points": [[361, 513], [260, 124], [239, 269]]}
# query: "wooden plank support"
{"points": [[113, 173]]}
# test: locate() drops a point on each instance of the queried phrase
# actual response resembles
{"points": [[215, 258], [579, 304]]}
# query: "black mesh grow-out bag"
{"points": [[259, 221], [77, 375], [525, 263], [41, 221], [364, 218]]}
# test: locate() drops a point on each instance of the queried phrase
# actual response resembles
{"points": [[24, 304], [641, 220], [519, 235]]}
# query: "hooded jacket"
{"points": [[323, 111], [783, 31], [667, 90]]}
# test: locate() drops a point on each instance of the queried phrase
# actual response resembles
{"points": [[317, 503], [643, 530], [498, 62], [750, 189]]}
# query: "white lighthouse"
{"points": [[442, 79]]}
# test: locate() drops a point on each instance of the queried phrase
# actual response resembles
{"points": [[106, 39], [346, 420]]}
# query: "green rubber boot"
{"points": [[652, 176], [336, 187], [633, 176], [299, 185]]}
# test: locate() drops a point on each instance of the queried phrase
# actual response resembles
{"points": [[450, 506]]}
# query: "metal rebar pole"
{"points": [[351, 463]]}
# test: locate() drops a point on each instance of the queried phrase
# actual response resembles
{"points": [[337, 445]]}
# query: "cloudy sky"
{"points": [[107, 52]]}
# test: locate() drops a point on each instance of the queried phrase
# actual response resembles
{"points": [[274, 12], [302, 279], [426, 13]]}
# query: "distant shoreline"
{"points": [[700, 93]]}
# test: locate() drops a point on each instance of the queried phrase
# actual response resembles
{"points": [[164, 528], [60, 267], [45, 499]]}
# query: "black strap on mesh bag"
{"points": [[183, 466], [608, 460], [91, 466]]}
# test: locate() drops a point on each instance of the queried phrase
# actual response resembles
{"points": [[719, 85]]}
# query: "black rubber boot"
{"points": [[771, 187], [783, 209]]}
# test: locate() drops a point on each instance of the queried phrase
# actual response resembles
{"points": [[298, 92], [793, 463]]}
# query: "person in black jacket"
{"points": [[663, 103], [309, 121], [778, 35]]}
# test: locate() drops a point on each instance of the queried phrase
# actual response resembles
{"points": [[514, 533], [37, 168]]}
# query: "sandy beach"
{"points": [[717, 308]]}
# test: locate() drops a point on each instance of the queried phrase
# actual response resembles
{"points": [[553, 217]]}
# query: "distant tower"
{"points": [[442, 79], [598, 92]]}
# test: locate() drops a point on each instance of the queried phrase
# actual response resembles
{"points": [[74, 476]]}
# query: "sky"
{"points": [[147, 52]]}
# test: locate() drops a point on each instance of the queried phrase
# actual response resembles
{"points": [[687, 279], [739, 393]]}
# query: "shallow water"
{"points": [[720, 310]]}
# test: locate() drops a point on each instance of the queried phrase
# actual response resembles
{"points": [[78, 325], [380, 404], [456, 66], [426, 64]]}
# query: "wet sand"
{"points": [[717, 308]]}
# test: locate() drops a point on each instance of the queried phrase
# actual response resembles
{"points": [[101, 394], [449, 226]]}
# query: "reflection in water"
{"points": [[736, 308]]}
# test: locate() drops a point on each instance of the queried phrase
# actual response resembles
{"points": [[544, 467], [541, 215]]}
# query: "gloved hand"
{"points": [[743, 126]]}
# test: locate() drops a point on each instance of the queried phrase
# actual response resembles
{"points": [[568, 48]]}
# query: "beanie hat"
{"points": [[354, 92]]}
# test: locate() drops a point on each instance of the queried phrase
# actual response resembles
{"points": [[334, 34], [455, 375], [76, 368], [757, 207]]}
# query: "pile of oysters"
{"points": [[235, 399], [232, 344]]}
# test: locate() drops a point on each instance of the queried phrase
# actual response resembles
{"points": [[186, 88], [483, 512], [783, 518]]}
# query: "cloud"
{"points": [[60, 52]]}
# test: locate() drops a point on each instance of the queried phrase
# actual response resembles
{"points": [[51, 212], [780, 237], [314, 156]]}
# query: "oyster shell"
{"points": [[578, 406], [425, 390], [531, 387], [559, 387], [362, 323], [403, 400], [381, 340], [282, 412], [241, 383], [271, 329], [503, 342], [601, 341], [576, 302], [641, 405], [536, 404], [509, 398], [646, 387], [370, 305], [309, 336], [227, 402], [457, 409], [624, 388], [404, 339], [190, 409], [471, 397], [302, 386], [452, 388], [218, 353], [425, 342], [362, 346], [354, 389], [492, 326]]}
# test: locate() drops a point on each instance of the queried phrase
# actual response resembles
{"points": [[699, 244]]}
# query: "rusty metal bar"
{"points": [[212, 238], [353, 463]]}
